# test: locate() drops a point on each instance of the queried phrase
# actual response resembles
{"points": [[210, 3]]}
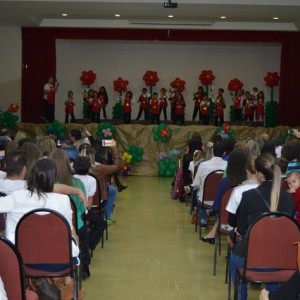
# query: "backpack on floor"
{"points": [[177, 189]]}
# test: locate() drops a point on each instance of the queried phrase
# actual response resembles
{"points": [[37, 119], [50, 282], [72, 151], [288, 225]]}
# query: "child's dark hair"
{"points": [[82, 165], [155, 94]]}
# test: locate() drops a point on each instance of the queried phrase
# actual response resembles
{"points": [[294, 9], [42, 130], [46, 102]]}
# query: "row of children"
{"points": [[158, 103]]}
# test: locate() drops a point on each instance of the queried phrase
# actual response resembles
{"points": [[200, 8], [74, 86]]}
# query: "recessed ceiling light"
{"points": [[64, 15], [275, 18], [170, 16], [223, 17], [117, 15]]}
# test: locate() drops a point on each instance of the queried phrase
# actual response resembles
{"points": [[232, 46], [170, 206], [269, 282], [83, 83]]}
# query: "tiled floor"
{"points": [[153, 251]]}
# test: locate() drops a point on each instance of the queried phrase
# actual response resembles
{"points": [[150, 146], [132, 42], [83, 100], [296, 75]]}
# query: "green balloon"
{"points": [[156, 137]]}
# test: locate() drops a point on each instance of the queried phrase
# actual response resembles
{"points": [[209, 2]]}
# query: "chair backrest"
{"points": [[11, 271], [43, 237], [97, 197], [270, 242], [223, 214], [211, 185]]}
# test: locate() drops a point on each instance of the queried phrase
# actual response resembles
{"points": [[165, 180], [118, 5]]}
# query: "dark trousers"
{"points": [[49, 111], [173, 113], [195, 112], [205, 119], [127, 117], [220, 119], [73, 120], [95, 117], [165, 112], [140, 114], [248, 117], [155, 119], [238, 114], [179, 118], [104, 113]]}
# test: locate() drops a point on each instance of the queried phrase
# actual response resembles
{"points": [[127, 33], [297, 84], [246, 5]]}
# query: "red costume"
{"points": [[103, 100], [163, 101], [155, 107], [237, 102], [219, 106], [51, 94], [144, 101], [95, 104], [179, 107], [198, 100], [204, 108], [260, 109], [69, 106], [249, 107], [127, 105]]}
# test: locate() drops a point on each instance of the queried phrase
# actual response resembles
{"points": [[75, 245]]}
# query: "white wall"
{"points": [[130, 60], [10, 66]]}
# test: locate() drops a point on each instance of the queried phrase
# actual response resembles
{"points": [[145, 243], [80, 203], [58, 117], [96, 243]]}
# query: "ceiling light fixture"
{"points": [[223, 17], [170, 4], [117, 15], [64, 15], [275, 18], [170, 16]]}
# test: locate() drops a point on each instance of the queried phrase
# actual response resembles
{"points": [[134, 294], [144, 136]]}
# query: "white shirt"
{"points": [[192, 167], [237, 193], [47, 87], [2, 175], [206, 167], [89, 183], [19, 203], [8, 186]]}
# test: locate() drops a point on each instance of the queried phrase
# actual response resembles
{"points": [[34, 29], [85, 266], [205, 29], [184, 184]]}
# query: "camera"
{"points": [[169, 4], [108, 143]]}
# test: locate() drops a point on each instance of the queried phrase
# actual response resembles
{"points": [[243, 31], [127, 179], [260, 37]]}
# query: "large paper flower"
{"points": [[179, 83], [150, 78], [120, 85], [88, 77], [206, 77], [272, 79], [234, 85]]}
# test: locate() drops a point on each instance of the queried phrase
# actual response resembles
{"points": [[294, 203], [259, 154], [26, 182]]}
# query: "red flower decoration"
{"points": [[165, 132], [120, 85], [88, 77], [206, 77], [13, 108], [150, 78], [272, 79], [226, 127], [235, 85], [179, 83]]}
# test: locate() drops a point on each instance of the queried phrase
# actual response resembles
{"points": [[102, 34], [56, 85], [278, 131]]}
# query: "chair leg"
{"points": [[227, 266], [75, 283], [215, 253], [220, 245]]}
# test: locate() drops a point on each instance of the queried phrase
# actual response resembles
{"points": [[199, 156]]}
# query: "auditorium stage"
{"points": [[141, 135]]}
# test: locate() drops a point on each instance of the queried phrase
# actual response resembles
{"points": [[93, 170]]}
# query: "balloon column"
{"points": [[225, 132], [106, 131], [166, 167], [120, 86], [57, 129], [179, 83], [234, 85], [8, 120], [136, 154], [271, 79], [161, 133]]}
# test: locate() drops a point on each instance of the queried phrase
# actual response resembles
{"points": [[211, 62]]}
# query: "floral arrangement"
{"points": [[106, 131], [120, 85], [56, 129], [234, 85], [206, 77], [179, 83], [166, 166], [150, 78], [7, 118], [225, 131], [162, 133]]}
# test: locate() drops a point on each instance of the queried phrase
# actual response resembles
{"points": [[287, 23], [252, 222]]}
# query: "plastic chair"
{"points": [[209, 192], [44, 240], [223, 226], [269, 245], [11, 272]]}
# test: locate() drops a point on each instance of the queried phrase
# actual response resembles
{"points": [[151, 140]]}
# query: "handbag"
{"points": [[45, 288]]}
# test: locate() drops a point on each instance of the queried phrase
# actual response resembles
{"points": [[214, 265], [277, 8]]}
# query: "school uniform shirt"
{"points": [[89, 182], [69, 107], [50, 96], [179, 107], [204, 106], [198, 101], [163, 101], [260, 108], [95, 105], [249, 107], [143, 102], [219, 106], [237, 102], [127, 105]]}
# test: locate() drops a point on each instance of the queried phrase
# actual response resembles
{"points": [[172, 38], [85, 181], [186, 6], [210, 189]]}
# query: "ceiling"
{"points": [[196, 14]]}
